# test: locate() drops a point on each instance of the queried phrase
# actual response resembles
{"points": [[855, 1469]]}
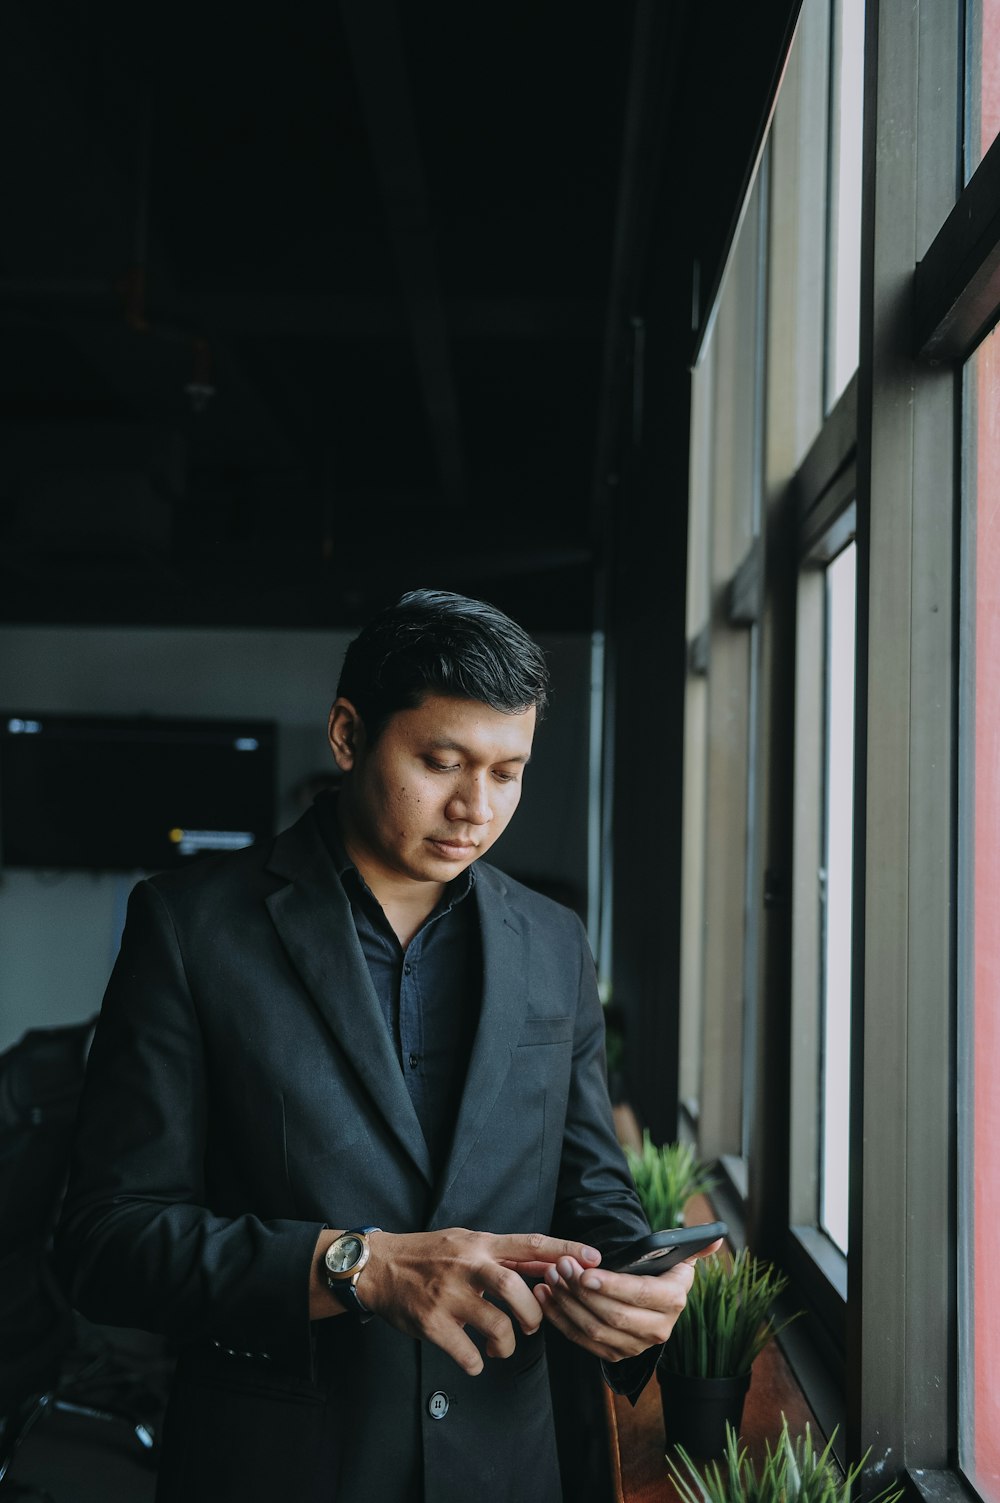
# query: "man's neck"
{"points": [[408, 912]]}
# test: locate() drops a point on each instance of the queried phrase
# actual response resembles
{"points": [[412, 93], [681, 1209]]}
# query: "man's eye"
{"points": [[505, 777], [441, 766]]}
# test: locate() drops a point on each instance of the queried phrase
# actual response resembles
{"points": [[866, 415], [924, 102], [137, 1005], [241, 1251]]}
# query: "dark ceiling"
{"points": [[302, 310]]}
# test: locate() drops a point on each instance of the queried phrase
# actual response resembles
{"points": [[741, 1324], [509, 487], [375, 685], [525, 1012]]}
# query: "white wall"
{"points": [[59, 932]]}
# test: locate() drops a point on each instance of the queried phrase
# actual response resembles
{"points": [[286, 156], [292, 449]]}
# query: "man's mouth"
{"points": [[452, 847]]}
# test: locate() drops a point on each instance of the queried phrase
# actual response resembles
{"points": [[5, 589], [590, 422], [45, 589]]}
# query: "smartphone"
{"points": [[661, 1250]]}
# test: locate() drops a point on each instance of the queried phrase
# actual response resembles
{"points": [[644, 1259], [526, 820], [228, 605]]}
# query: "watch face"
{"points": [[343, 1253]]}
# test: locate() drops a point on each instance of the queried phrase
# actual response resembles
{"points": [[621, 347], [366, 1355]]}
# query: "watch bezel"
{"points": [[338, 1276]]}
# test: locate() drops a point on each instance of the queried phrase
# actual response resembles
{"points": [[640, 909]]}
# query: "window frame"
{"points": [[901, 1287], [822, 520], [838, 508], [930, 294]]}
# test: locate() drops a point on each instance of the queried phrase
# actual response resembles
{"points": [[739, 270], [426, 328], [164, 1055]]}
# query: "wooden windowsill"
{"points": [[638, 1465]]}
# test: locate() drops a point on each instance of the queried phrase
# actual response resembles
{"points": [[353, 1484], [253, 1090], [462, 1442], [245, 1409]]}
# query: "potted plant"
{"points": [[794, 1472], [666, 1176], [705, 1368]]}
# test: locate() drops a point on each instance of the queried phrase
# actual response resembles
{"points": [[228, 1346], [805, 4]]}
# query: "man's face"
{"points": [[437, 788]]}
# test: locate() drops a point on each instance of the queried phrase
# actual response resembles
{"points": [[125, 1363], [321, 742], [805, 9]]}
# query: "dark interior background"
{"points": [[300, 309], [304, 307]]}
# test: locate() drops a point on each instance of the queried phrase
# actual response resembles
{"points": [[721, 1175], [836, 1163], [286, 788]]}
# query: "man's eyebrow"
{"points": [[456, 746]]}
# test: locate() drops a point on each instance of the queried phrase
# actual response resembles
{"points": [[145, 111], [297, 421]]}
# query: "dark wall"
{"points": [[646, 607], [704, 81]]}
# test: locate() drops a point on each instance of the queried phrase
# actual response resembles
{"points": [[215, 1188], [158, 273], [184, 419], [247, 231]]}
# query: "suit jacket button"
{"points": [[438, 1405]]}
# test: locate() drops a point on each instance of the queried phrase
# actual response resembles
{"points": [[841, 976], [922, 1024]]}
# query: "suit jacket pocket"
{"points": [[546, 1031], [240, 1431]]}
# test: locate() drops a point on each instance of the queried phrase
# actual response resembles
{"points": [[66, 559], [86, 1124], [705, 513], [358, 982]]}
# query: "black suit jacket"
{"points": [[242, 1093]]}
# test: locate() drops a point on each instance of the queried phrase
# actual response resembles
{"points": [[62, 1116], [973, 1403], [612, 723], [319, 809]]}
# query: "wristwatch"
{"points": [[343, 1262]]}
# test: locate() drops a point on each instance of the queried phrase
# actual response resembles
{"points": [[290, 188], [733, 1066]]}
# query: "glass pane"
{"points": [[798, 149], [736, 400], [844, 273], [979, 929], [838, 846], [699, 594], [983, 81]]}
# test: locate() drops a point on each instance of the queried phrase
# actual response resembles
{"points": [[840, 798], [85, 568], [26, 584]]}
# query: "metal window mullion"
{"points": [[806, 907], [965, 933], [900, 1305]]}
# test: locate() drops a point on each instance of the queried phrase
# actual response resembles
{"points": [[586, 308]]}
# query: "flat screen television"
{"points": [[142, 793]]}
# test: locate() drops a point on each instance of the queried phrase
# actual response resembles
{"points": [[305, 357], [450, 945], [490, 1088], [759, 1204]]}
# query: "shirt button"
{"points": [[414, 1061], [407, 969], [438, 1405]]}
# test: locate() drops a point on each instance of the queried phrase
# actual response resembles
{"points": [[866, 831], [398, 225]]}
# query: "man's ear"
{"points": [[346, 734]]}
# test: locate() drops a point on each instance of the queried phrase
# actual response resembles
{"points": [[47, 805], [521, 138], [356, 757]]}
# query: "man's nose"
{"points": [[471, 802]]}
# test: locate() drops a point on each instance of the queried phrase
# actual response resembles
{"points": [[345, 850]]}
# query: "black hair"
{"points": [[434, 642]]}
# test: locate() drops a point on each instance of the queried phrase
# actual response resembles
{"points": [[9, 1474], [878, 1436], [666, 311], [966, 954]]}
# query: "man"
{"points": [[366, 1030]]}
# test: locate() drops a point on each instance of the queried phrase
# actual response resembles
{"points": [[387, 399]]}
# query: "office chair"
{"points": [[52, 1361]]}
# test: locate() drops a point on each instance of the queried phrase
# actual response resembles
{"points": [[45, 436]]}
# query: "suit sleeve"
{"points": [[596, 1199], [137, 1243]]}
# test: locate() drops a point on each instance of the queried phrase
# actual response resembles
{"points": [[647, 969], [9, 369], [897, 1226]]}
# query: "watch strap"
{"points": [[346, 1292]]}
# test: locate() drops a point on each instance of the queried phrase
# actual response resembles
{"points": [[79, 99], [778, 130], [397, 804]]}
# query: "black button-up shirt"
{"points": [[429, 992]]}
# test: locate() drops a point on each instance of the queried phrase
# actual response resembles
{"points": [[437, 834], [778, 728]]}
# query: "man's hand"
{"points": [[615, 1315], [431, 1285]]}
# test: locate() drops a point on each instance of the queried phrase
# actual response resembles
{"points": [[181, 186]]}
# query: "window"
{"points": [[698, 607], [844, 197], [717, 1025], [773, 382], [822, 883], [774, 404], [871, 813], [836, 884], [796, 252], [983, 81], [979, 926]]}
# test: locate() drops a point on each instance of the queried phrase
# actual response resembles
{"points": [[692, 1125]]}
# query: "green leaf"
{"points": [[665, 1179], [791, 1473], [727, 1321]]}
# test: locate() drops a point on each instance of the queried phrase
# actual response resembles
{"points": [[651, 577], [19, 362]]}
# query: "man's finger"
{"points": [[628, 1302], [704, 1252], [557, 1313], [659, 1292], [453, 1341], [507, 1285], [534, 1247], [615, 1313], [496, 1326]]}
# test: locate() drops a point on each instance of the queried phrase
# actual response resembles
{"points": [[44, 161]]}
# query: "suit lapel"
{"points": [[313, 918], [504, 1003]]}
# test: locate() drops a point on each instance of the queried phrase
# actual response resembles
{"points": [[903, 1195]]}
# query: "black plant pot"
{"points": [[695, 1410]]}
